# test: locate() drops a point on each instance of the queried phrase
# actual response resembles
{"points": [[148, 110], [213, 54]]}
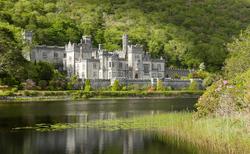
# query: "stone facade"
{"points": [[91, 63], [87, 62], [51, 54]]}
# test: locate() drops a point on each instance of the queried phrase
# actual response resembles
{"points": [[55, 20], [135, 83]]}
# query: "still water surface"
{"points": [[84, 140]]}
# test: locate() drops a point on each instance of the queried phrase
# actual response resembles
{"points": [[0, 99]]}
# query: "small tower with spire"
{"points": [[125, 44]]}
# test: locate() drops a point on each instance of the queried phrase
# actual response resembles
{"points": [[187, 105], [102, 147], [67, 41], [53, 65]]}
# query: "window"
{"points": [[94, 65], [55, 55], [159, 67], [154, 66], [146, 68], [110, 64], [94, 75], [120, 65], [45, 55]]}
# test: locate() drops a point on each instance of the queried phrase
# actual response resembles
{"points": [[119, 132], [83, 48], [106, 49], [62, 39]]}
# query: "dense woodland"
{"points": [[185, 32]]}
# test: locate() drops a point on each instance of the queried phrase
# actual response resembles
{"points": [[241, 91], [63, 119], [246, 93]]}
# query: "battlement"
{"points": [[49, 47]]}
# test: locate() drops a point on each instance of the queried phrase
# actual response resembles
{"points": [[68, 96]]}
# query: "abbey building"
{"points": [[87, 62]]}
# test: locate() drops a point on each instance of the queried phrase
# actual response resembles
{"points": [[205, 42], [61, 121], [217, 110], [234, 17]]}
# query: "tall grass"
{"points": [[219, 135]]}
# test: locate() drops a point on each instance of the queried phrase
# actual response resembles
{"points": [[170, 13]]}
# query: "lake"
{"points": [[85, 140]]}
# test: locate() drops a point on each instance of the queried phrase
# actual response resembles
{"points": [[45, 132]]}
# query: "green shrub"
{"points": [[177, 76], [198, 75], [115, 86], [7, 93], [137, 87], [10, 81], [168, 88], [87, 86], [160, 86], [209, 80], [30, 93], [43, 84], [226, 97], [193, 86], [73, 84], [57, 84], [124, 88], [14, 90]]}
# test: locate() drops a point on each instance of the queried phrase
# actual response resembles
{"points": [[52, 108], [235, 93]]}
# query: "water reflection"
{"points": [[84, 140]]}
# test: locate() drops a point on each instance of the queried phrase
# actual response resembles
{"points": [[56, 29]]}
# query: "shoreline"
{"points": [[97, 95]]}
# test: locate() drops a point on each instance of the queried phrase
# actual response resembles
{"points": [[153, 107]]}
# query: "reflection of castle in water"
{"points": [[88, 140]]}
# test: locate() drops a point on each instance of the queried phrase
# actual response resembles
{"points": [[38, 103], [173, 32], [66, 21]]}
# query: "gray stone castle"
{"points": [[87, 62]]}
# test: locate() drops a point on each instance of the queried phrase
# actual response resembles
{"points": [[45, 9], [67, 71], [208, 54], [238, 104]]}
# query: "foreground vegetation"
{"points": [[223, 135], [230, 96]]}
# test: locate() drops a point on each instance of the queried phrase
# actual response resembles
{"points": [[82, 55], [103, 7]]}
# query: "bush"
{"points": [[193, 86], [7, 93], [124, 88], [43, 84], [73, 84], [160, 86], [29, 85], [10, 81], [30, 93], [115, 86], [177, 76], [209, 80], [57, 84], [198, 75], [226, 97], [87, 86], [14, 90]]}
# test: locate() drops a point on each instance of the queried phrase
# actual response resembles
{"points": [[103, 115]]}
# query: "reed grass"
{"points": [[220, 135]]}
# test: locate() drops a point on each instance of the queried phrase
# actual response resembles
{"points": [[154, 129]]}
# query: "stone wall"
{"points": [[173, 83], [99, 83], [141, 83], [180, 84]]}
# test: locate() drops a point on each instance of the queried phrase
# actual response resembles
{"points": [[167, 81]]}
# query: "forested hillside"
{"points": [[186, 32]]}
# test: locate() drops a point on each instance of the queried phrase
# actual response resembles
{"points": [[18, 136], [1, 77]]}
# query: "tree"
{"points": [[239, 50], [12, 63]]}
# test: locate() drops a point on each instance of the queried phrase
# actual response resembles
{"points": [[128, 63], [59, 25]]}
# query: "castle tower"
{"points": [[87, 40], [125, 44]]}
